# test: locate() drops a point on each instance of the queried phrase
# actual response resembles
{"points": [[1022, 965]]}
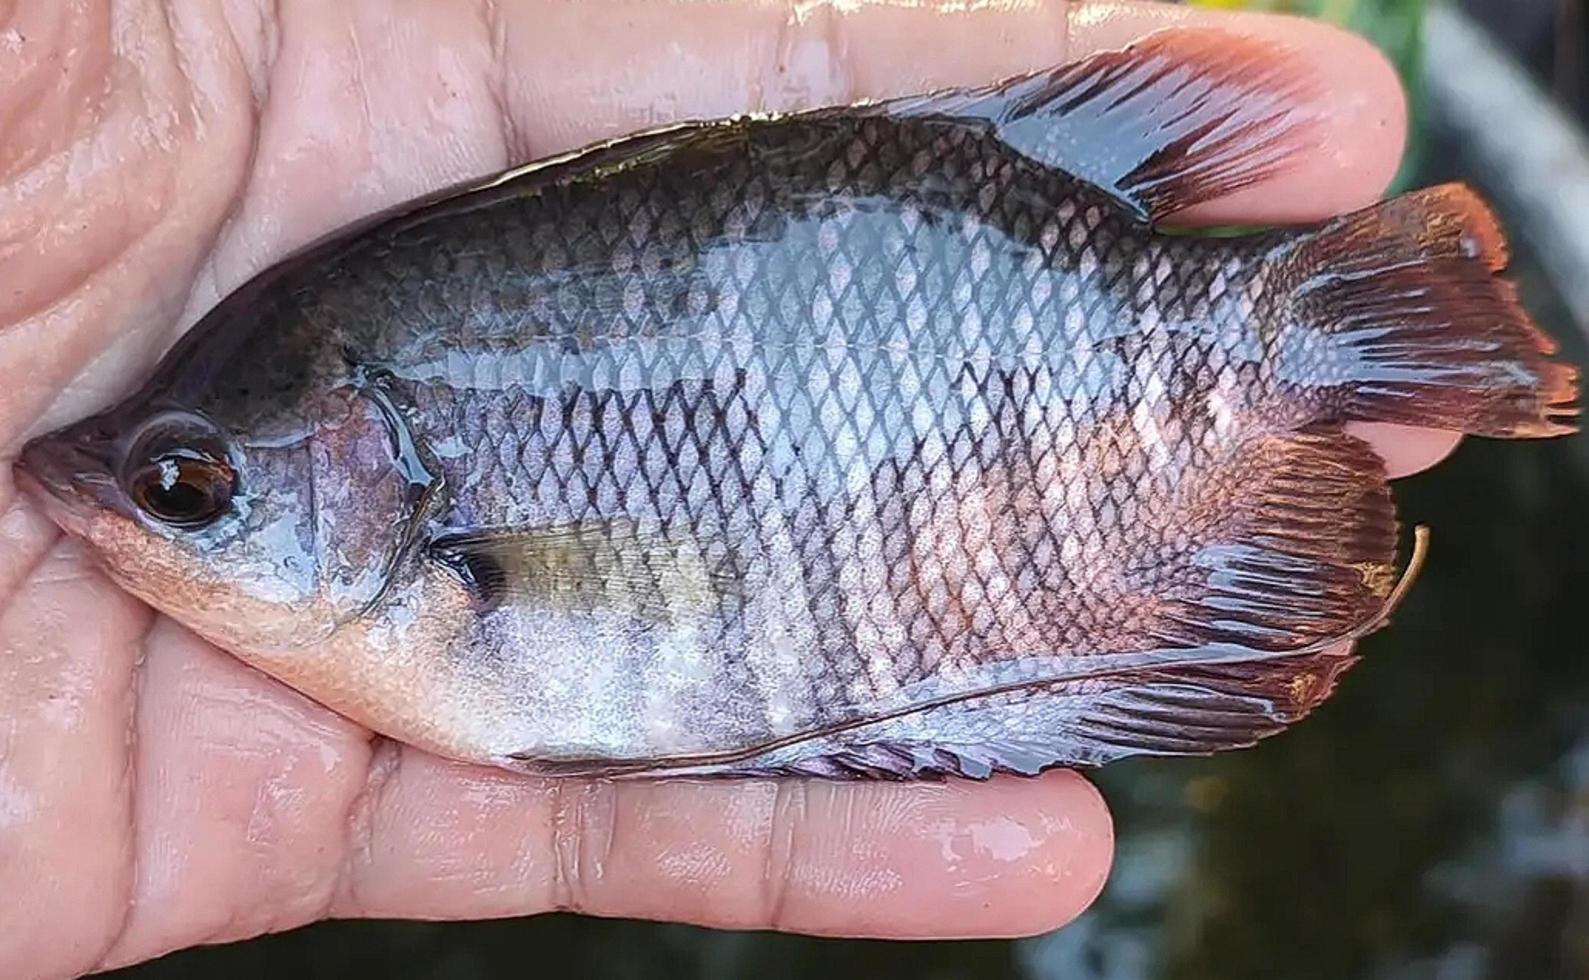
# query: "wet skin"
{"points": [[154, 792]]}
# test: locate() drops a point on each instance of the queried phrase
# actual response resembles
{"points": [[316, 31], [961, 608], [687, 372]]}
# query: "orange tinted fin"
{"points": [[1401, 316], [1295, 542], [1181, 117]]}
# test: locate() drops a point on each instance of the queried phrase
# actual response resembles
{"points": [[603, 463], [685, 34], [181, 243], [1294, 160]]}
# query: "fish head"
{"points": [[263, 530]]}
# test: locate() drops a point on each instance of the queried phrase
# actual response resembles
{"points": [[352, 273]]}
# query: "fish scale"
{"points": [[889, 440]]}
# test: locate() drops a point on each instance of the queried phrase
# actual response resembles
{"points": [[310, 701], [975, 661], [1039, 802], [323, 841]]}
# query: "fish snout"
{"points": [[71, 476]]}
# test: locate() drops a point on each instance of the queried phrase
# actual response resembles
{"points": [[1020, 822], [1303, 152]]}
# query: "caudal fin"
{"points": [[1403, 317]]}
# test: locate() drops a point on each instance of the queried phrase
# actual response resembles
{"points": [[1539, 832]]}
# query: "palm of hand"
{"points": [[154, 792]]}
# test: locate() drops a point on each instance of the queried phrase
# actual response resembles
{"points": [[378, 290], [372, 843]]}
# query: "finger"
{"points": [[1005, 858], [127, 133], [407, 101], [65, 704], [1406, 450], [242, 790]]}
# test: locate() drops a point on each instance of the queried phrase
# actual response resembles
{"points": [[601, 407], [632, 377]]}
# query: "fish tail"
{"points": [[1397, 313]]}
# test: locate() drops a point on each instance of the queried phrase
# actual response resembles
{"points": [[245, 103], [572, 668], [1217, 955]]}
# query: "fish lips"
{"points": [[73, 474]]}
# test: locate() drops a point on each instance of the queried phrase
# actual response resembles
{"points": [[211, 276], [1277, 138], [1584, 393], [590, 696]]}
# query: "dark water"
{"points": [[1550, 38], [1431, 821]]}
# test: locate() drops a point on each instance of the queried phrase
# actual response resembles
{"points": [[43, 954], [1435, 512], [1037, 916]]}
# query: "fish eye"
{"points": [[179, 474]]}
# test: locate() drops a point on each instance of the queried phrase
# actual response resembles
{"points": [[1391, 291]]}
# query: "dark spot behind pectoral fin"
{"points": [[1181, 117], [477, 570]]}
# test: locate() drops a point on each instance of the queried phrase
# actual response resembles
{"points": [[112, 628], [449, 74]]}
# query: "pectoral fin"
{"points": [[617, 565]]}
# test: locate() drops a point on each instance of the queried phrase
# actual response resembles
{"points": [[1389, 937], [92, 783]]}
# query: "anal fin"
{"points": [[1178, 713]]}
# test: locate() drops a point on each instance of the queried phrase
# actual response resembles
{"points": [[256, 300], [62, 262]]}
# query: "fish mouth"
{"points": [[70, 477]]}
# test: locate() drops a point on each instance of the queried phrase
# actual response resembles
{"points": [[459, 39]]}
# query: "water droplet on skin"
{"points": [[998, 838], [17, 805]]}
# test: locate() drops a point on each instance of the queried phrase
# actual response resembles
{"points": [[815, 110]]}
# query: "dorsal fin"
{"points": [[1181, 117]]}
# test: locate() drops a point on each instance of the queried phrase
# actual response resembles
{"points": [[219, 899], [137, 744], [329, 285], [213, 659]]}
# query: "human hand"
{"points": [[154, 792]]}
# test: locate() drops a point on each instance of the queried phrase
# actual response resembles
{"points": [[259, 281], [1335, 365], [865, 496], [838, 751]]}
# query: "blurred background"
{"points": [[1431, 821]]}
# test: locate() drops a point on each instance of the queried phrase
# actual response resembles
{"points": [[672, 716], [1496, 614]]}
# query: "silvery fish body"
{"points": [[884, 440]]}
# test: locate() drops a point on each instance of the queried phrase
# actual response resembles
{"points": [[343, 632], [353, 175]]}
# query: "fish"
{"points": [[904, 439]]}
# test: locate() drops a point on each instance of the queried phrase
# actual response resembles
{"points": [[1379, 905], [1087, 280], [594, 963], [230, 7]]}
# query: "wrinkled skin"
{"points": [[154, 792]]}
